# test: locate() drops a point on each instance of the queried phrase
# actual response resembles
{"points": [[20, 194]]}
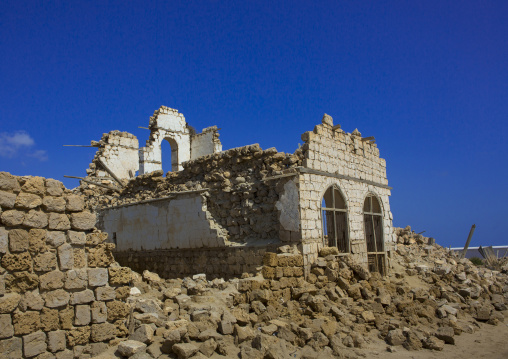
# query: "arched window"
{"points": [[334, 215], [373, 221], [172, 155]]}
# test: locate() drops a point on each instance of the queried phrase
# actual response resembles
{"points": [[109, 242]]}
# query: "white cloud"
{"points": [[17, 144]]}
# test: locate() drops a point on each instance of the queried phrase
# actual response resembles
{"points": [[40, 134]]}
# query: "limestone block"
{"points": [[35, 219], [65, 256], [83, 297], [117, 310], [95, 238], [13, 217], [4, 240], [20, 282], [27, 201], [31, 300], [120, 275], [44, 262], [130, 347], [55, 238], [82, 315], [52, 280], [58, 221], [18, 240], [80, 258], [6, 327], [56, 341], [53, 204], [17, 262], [77, 237], [75, 203], [34, 185], [102, 332], [7, 199], [97, 277], [56, 298], [49, 319], [54, 187], [101, 256], [37, 240], [9, 182], [83, 221], [76, 279], [105, 293], [27, 322], [99, 312], [34, 344], [66, 318], [78, 336]]}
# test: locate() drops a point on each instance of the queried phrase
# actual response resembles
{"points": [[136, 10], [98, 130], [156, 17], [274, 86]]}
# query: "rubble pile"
{"points": [[428, 298]]}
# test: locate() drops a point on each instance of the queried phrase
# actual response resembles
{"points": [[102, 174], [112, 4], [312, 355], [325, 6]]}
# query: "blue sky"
{"points": [[428, 79]]}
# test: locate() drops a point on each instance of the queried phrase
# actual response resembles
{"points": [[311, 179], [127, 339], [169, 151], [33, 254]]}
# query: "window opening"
{"points": [[169, 155], [335, 224], [373, 222]]}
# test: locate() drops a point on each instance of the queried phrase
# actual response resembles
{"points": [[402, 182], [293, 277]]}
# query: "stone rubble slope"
{"points": [[428, 298]]}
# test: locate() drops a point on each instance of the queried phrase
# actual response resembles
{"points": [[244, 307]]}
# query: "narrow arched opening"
{"points": [[334, 216], [373, 225], [169, 155]]}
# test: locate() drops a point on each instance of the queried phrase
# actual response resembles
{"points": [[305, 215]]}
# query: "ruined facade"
{"points": [[222, 210]]}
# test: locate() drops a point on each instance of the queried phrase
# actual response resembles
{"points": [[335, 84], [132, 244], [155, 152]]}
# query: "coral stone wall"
{"points": [[59, 286]]}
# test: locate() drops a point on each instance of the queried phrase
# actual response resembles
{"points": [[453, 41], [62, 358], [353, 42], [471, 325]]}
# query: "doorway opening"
{"points": [[373, 221]]}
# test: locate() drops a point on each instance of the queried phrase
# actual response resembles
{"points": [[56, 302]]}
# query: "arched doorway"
{"points": [[373, 222], [169, 159], [334, 216]]}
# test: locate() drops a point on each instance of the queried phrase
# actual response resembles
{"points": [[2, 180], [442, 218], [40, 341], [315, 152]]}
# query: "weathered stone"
{"points": [[49, 319], [4, 240], [244, 333], [56, 341], [83, 221], [45, 262], [78, 336], [18, 240], [77, 237], [117, 310], [55, 238], [58, 221], [66, 318], [143, 334], [97, 277], [31, 300], [99, 312], [34, 185], [27, 322], [433, 343], [34, 344], [9, 182], [56, 298], [75, 203], [7, 199], [37, 241], [130, 347], [35, 219], [66, 256], [122, 293], [11, 348], [103, 332], [80, 258], [82, 315], [446, 334], [95, 238], [20, 282], [52, 280], [17, 262], [12, 217], [65, 354], [76, 279], [54, 187], [120, 275], [53, 204], [185, 350], [6, 327], [395, 337], [101, 256], [97, 348], [83, 297], [27, 201], [105, 293]]}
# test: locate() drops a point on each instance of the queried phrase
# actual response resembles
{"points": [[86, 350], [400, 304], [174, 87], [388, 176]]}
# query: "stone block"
{"points": [[95, 238], [75, 203], [268, 272], [117, 310], [45, 262], [35, 219], [83, 297], [130, 347], [49, 319], [105, 293], [20, 282], [99, 312], [80, 258], [18, 240], [9, 182], [78, 336], [27, 322], [4, 240], [66, 256], [55, 238], [34, 185], [101, 256], [185, 350], [102, 332], [54, 187], [7, 199], [270, 259], [34, 344], [143, 334], [53, 204], [82, 315], [66, 354], [97, 277], [6, 327], [58, 221], [52, 280], [31, 300], [76, 279], [11, 348], [56, 341], [66, 318], [37, 241], [76, 237], [83, 221], [17, 262], [27, 201], [12, 217], [56, 298], [120, 275]]}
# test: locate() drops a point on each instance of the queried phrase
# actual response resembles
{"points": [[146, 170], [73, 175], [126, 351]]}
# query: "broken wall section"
{"points": [[59, 288]]}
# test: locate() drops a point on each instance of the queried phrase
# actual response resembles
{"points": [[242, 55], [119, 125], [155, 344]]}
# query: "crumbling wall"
{"points": [[118, 151], [59, 287], [205, 143], [332, 156]]}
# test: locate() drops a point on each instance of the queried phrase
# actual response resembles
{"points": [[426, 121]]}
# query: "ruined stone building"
{"points": [[219, 211]]}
